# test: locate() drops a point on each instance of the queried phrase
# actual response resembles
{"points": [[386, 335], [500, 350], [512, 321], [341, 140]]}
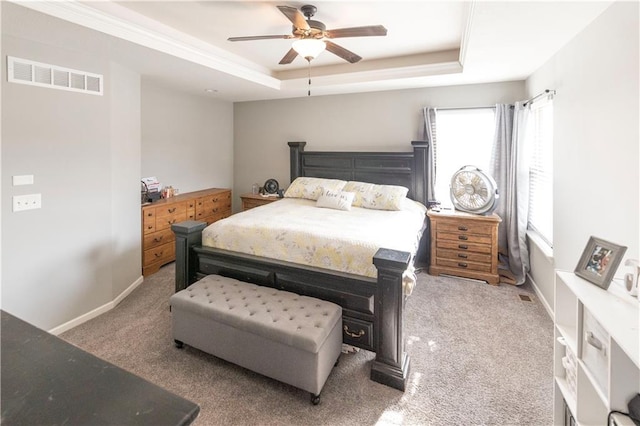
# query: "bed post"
{"points": [[188, 234], [421, 160], [295, 149], [391, 366]]}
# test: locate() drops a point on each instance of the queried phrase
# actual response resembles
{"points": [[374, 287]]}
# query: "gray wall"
{"points": [[596, 134], [380, 121], [70, 257], [187, 141], [81, 252]]}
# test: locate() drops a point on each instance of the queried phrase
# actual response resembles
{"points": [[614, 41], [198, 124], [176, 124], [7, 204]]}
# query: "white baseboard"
{"points": [[98, 311], [542, 299]]}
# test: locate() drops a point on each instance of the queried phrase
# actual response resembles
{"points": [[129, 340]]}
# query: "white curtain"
{"points": [[510, 169]]}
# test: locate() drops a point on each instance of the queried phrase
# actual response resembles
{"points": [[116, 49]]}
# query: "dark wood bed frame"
{"points": [[372, 308]]}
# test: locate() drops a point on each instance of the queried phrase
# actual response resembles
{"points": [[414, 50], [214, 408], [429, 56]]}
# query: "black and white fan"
{"points": [[473, 191]]}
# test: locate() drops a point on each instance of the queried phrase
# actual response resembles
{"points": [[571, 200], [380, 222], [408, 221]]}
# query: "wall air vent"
{"points": [[24, 71]]}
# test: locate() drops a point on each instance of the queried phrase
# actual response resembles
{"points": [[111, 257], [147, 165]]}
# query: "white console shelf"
{"points": [[597, 349]]}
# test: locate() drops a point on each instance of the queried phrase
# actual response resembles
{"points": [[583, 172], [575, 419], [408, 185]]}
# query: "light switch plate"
{"points": [[23, 180], [27, 202]]}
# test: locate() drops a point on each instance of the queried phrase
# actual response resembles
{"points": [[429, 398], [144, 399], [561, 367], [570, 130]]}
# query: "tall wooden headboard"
{"points": [[408, 169]]}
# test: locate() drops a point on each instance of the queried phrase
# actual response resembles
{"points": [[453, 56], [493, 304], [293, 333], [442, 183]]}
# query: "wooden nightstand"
{"points": [[464, 245], [250, 201]]}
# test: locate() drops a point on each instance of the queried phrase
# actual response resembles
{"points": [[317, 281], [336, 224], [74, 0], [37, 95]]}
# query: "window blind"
{"points": [[541, 171]]}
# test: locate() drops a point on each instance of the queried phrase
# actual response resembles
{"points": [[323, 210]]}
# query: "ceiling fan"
{"points": [[312, 36]]}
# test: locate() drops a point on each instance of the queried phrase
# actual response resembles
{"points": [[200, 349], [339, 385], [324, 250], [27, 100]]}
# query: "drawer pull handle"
{"points": [[357, 335], [150, 214], [462, 255], [149, 227], [594, 341], [171, 222], [463, 246], [462, 264], [158, 239], [463, 237], [171, 210], [462, 228], [158, 254]]}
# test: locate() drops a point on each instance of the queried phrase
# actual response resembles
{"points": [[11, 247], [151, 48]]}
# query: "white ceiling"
{"points": [[429, 43]]}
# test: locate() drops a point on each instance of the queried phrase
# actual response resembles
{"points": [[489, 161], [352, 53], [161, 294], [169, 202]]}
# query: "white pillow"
{"points": [[311, 188], [335, 200], [378, 197]]}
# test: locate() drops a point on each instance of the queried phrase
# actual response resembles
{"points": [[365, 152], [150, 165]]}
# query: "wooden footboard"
{"points": [[372, 308]]}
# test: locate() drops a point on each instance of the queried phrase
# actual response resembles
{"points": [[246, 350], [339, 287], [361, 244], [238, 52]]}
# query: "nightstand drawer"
{"points": [[463, 256], [466, 227], [463, 237], [464, 265], [463, 246]]}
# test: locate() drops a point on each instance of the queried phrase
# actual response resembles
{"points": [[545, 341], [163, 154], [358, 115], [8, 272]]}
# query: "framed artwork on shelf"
{"points": [[599, 261]]}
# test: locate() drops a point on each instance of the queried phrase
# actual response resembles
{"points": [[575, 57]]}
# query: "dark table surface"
{"points": [[47, 381]]}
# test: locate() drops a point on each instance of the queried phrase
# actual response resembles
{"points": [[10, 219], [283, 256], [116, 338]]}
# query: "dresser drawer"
{"points": [[357, 333], [463, 265], [156, 239], [148, 220], [466, 227], [463, 256], [162, 254], [174, 209], [191, 210], [218, 202], [463, 237], [463, 246]]}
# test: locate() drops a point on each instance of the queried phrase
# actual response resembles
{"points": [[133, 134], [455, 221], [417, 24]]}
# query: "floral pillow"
{"points": [[338, 200], [378, 197], [312, 188]]}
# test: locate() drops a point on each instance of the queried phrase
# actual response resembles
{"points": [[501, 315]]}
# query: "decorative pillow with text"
{"points": [[338, 200]]}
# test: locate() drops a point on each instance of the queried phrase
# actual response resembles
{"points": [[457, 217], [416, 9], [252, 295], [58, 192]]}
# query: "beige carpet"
{"points": [[479, 356]]}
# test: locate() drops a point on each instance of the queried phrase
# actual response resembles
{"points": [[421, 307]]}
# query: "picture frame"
{"points": [[599, 261]]}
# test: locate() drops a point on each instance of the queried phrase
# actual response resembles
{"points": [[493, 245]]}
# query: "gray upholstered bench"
{"points": [[290, 338]]}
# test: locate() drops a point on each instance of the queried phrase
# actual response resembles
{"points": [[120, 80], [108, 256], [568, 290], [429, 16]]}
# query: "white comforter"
{"points": [[297, 231]]}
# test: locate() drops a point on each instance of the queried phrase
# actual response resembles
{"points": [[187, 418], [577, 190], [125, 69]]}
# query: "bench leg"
{"points": [[315, 399], [179, 344]]}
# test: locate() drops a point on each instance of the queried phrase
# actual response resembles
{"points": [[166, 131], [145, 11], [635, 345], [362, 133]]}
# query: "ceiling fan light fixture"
{"points": [[308, 48]]}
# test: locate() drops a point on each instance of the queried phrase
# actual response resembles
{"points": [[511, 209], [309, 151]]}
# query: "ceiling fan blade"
{"points": [[371, 30], [342, 52], [289, 57], [263, 37], [296, 18]]}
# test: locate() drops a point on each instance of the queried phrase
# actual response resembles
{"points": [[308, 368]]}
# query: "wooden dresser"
{"points": [[250, 201], [158, 241], [464, 245]]}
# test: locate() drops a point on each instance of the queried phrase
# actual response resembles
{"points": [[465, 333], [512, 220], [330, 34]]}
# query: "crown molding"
{"points": [[466, 32], [136, 29]]}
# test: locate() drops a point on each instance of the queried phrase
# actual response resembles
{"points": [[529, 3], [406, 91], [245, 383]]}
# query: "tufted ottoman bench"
{"points": [[294, 339]]}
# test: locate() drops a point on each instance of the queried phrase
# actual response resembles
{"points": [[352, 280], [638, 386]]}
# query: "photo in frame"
{"points": [[599, 261]]}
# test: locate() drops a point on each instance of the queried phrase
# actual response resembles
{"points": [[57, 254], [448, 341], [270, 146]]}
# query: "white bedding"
{"points": [[297, 231]]}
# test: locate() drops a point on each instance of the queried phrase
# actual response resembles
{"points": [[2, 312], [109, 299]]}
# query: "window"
{"points": [[541, 170], [465, 137]]}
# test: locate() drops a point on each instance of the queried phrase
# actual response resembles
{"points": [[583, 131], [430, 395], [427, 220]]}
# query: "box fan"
{"points": [[473, 191]]}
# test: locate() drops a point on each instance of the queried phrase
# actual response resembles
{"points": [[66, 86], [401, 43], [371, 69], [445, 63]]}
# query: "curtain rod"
{"points": [[456, 108], [547, 92]]}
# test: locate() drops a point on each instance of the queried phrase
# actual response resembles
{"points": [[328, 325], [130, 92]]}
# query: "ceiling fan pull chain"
{"points": [[309, 75]]}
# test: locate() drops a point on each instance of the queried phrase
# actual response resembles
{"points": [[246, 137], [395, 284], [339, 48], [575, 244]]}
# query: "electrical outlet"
{"points": [[27, 202]]}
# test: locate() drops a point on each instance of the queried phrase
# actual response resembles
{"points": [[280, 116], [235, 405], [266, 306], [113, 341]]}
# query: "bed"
{"points": [[372, 304]]}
